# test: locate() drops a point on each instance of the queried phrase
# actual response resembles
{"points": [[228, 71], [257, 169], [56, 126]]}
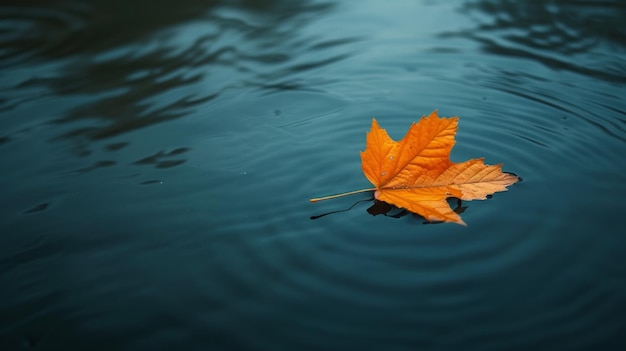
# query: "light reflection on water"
{"points": [[157, 162]]}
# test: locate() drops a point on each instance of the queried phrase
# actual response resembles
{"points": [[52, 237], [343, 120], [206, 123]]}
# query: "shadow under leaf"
{"points": [[392, 211]]}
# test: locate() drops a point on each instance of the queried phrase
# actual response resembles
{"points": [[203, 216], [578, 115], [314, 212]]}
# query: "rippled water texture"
{"points": [[158, 157]]}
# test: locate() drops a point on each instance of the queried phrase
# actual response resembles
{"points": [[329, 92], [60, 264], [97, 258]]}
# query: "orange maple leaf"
{"points": [[416, 173]]}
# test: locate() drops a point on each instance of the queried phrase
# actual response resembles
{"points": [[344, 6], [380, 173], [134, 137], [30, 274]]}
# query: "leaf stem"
{"points": [[340, 195]]}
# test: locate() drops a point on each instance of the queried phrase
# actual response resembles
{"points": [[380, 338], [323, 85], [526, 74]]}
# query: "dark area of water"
{"points": [[158, 157]]}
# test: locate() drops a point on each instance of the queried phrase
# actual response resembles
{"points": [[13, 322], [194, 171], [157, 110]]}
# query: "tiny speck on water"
{"points": [[244, 173]]}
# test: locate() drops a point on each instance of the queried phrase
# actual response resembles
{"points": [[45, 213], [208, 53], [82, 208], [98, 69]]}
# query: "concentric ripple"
{"points": [[156, 183]]}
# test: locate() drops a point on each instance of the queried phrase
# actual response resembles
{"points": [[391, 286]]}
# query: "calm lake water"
{"points": [[158, 157]]}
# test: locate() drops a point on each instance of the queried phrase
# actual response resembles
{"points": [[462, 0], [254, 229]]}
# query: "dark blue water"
{"points": [[158, 157]]}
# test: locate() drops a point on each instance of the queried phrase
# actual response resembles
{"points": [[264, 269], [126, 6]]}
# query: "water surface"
{"points": [[158, 158]]}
